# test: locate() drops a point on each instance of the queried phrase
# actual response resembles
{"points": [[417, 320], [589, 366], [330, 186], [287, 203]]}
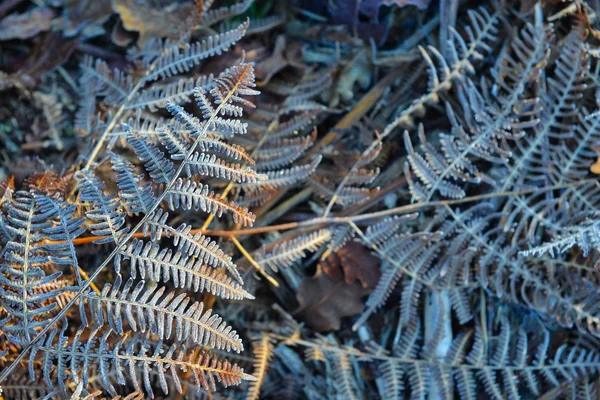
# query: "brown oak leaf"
{"points": [[353, 262], [324, 302]]}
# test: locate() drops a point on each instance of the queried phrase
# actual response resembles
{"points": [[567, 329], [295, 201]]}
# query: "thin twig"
{"points": [[254, 263]]}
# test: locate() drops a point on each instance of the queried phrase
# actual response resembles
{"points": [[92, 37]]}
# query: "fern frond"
{"points": [[62, 252], [191, 195], [558, 107], [403, 254], [215, 144], [176, 60], [286, 253], [161, 265], [585, 235], [160, 169], [482, 31], [179, 91], [135, 352], [210, 165], [259, 25], [287, 177], [136, 198], [113, 85], [295, 124], [104, 209], [211, 17], [281, 152], [262, 349], [198, 246], [167, 316], [21, 273], [346, 196]]}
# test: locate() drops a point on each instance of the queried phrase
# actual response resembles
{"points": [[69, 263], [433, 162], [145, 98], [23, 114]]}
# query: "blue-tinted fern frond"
{"points": [[198, 246], [64, 233], [179, 59], [482, 31], [286, 253], [167, 316], [160, 168], [136, 198], [105, 209], [190, 195], [289, 176], [115, 354], [21, 272], [162, 265]]}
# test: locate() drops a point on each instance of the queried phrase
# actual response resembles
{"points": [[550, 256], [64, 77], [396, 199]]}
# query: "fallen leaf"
{"points": [[353, 262], [47, 54], [152, 22], [323, 302], [357, 71], [79, 14], [26, 25], [271, 65]]}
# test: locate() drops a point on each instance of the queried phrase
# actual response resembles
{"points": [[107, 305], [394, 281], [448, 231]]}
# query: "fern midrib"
{"points": [[25, 294]]}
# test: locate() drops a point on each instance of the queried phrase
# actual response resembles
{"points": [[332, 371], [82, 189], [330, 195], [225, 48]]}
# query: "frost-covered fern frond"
{"points": [[407, 256], [585, 235], [482, 31], [484, 128], [105, 210], [136, 198], [147, 88], [281, 152], [512, 364], [21, 268], [137, 351], [212, 16], [287, 252], [67, 228], [167, 316], [128, 317], [558, 99], [346, 196], [286, 177]]}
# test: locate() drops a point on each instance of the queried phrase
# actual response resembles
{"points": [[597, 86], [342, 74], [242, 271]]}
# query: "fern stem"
{"points": [[407, 209]]}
